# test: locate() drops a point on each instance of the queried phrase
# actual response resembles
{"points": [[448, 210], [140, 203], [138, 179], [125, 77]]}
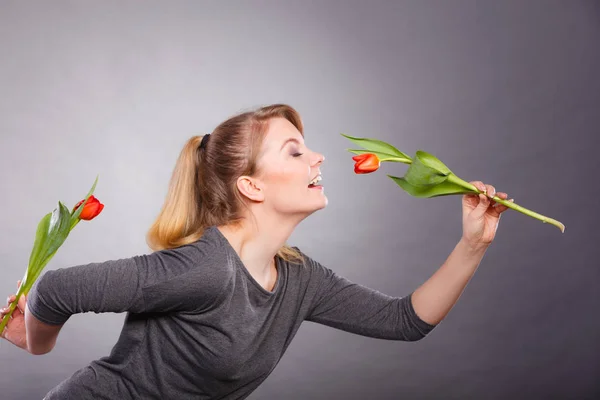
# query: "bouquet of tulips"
{"points": [[51, 233], [426, 177]]}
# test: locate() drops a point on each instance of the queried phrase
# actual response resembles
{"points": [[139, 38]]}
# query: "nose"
{"points": [[319, 158]]}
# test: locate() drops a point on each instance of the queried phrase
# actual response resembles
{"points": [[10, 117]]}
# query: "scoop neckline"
{"points": [[240, 263]]}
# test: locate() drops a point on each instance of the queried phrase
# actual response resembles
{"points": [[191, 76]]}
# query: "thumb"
{"points": [[22, 303]]}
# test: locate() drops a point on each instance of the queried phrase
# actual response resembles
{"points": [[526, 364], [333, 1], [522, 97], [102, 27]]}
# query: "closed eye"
{"points": [[297, 154]]}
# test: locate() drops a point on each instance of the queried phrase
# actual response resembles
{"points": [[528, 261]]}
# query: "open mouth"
{"points": [[315, 182]]}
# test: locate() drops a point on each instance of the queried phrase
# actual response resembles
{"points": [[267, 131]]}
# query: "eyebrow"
{"points": [[289, 140]]}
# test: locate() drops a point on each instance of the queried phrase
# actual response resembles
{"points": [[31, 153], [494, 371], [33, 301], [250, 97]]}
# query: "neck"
{"points": [[257, 241]]}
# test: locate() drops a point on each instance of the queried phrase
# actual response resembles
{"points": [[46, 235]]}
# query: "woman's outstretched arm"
{"points": [[481, 215], [340, 303], [435, 298]]}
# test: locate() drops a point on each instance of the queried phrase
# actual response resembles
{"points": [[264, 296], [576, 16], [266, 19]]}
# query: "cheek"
{"points": [[288, 177]]}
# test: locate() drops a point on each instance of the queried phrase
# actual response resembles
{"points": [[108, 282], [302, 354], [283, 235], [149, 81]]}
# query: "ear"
{"points": [[250, 187]]}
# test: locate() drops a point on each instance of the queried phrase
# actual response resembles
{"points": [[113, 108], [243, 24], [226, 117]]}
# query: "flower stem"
{"points": [[455, 179], [397, 159], [74, 224]]}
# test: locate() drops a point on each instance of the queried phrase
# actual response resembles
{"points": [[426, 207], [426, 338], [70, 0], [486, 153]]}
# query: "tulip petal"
{"points": [[383, 156], [366, 163], [362, 156]]}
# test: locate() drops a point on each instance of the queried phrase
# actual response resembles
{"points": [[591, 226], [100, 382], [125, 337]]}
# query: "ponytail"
{"points": [[177, 223]]}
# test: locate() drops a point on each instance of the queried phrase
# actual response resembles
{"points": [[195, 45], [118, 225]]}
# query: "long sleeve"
{"points": [[166, 280], [339, 303]]}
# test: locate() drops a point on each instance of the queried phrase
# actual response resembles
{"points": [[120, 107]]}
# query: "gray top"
{"points": [[199, 326]]}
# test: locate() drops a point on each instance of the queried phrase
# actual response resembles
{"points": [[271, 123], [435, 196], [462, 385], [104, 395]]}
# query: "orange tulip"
{"points": [[92, 208], [366, 163]]}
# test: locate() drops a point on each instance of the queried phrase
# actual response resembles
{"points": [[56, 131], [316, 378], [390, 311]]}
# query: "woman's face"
{"points": [[286, 167]]}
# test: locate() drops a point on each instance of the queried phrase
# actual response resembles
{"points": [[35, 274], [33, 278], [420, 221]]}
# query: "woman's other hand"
{"points": [[15, 331]]}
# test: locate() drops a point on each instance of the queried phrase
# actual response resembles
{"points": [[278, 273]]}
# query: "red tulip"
{"points": [[52, 231], [366, 163], [92, 208]]}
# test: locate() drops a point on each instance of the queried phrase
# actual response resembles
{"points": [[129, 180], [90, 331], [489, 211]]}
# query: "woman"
{"points": [[211, 311]]}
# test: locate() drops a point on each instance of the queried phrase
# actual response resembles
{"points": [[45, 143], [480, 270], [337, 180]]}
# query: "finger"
{"points": [[498, 207], [482, 203], [482, 206], [9, 300], [3, 311], [479, 185], [501, 195], [491, 191], [501, 207], [19, 282], [6, 310], [471, 200], [17, 312], [21, 304]]}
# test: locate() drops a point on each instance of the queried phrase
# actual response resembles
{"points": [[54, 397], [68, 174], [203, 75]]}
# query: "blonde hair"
{"points": [[203, 191]]}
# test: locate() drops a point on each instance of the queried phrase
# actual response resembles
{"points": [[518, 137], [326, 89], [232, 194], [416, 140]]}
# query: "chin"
{"points": [[316, 207], [324, 203]]}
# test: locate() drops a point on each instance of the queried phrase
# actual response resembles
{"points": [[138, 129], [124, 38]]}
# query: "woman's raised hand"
{"points": [[14, 331]]}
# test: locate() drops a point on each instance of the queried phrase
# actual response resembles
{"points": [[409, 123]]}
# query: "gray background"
{"points": [[503, 92]]}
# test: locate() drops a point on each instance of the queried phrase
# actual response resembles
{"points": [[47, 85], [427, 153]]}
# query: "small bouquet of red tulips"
{"points": [[51, 233], [426, 177]]}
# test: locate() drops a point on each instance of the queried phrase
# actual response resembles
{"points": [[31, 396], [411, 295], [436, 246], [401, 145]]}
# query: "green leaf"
{"points": [[432, 162], [425, 171], [37, 271], [40, 238], [444, 188], [375, 145], [51, 234], [59, 231], [382, 156]]}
